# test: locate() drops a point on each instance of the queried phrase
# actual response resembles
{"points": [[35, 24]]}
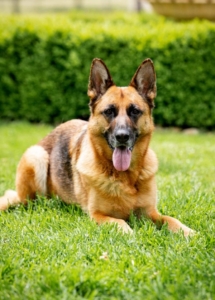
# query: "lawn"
{"points": [[50, 250]]}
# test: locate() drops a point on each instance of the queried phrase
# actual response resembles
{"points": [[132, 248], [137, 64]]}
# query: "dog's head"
{"points": [[121, 115]]}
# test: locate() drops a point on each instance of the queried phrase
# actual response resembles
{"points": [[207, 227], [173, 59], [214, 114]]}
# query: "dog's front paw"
{"points": [[188, 231], [125, 227], [122, 225]]}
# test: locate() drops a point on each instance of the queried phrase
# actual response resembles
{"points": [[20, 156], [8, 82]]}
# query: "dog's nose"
{"points": [[122, 136]]}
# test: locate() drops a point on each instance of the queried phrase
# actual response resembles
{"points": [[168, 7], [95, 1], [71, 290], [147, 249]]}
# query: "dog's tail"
{"points": [[31, 178], [10, 198]]}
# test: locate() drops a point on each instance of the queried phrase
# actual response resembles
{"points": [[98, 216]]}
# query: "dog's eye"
{"points": [[110, 112], [133, 111]]}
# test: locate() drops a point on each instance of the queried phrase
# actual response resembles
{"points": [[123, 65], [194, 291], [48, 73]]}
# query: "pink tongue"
{"points": [[121, 159]]}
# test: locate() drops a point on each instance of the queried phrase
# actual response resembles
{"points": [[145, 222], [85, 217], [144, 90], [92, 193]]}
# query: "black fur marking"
{"points": [[110, 112], [106, 135], [62, 162], [134, 112], [66, 160]]}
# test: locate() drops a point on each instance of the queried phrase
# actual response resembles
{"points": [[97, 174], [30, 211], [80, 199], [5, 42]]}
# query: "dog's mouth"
{"points": [[121, 158]]}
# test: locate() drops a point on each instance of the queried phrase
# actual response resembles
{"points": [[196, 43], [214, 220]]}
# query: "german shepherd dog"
{"points": [[104, 165]]}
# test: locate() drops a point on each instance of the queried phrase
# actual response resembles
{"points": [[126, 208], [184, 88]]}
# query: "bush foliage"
{"points": [[45, 62]]}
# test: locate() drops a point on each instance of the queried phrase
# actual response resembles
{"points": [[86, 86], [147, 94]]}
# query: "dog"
{"points": [[105, 165]]}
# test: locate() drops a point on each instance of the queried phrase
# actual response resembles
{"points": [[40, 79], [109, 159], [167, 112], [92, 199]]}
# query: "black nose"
{"points": [[122, 136]]}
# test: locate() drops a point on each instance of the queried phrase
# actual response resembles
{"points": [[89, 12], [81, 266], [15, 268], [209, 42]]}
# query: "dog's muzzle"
{"points": [[122, 142]]}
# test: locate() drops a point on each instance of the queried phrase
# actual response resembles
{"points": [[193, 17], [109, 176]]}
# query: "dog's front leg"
{"points": [[101, 210], [172, 223], [148, 207], [100, 218]]}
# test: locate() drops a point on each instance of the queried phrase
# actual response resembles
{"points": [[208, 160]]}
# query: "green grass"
{"points": [[50, 250]]}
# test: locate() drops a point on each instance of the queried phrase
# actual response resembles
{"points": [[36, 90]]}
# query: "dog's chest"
{"points": [[115, 187], [114, 197]]}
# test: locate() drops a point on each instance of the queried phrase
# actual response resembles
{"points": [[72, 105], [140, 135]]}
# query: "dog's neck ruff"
{"points": [[121, 158]]}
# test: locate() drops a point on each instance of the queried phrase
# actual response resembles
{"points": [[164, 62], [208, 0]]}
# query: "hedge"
{"points": [[45, 62]]}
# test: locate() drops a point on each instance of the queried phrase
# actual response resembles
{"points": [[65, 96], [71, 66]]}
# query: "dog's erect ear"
{"points": [[100, 80], [144, 81]]}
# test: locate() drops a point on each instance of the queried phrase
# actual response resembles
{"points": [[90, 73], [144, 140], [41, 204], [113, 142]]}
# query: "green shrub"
{"points": [[45, 62]]}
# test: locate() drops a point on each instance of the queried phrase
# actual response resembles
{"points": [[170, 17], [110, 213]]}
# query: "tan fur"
{"points": [[75, 161]]}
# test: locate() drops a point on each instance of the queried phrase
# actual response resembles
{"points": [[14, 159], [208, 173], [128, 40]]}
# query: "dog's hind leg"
{"points": [[31, 178]]}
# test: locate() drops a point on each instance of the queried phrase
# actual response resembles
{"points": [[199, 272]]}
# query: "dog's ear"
{"points": [[100, 80], [144, 81]]}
